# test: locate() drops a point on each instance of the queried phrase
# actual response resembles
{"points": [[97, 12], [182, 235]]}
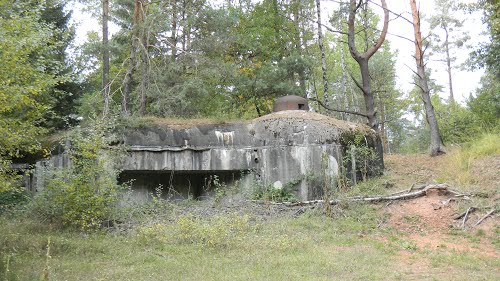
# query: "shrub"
{"points": [[11, 191], [271, 193], [83, 194]]}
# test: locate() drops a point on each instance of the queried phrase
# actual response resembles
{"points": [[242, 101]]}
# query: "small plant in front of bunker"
{"points": [[219, 187], [277, 193]]}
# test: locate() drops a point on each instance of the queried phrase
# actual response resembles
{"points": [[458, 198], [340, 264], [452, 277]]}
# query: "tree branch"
{"points": [[338, 110]]}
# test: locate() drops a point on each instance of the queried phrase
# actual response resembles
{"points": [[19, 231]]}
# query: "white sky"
{"points": [[464, 82]]}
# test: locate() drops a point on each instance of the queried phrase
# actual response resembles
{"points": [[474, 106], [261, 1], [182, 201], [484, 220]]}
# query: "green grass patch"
{"points": [[226, 246]]}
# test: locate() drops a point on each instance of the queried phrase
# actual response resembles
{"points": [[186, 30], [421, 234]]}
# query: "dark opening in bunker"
{"points": [[302, 106], [178, 185]]}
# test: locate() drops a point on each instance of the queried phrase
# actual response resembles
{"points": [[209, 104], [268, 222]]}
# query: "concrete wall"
{"points": [[272, 150]]}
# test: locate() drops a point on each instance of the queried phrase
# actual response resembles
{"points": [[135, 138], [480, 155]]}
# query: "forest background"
{"points": [[230, 60]]}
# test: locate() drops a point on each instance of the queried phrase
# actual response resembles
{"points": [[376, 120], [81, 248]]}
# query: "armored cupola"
{"points": [[290, 103]]}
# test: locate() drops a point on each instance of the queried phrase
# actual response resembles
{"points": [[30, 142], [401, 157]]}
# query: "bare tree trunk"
{"points": [[144, 61], [362, 60], [383, 131], [174, 30], [448, 65], [127, 81], [105, 57], [435, 145], [185, 25], [323, 56], [298, 44]]}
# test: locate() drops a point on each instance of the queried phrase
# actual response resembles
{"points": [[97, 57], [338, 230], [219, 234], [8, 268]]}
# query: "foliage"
{"points": [[28, 47], [486, 54], [25, 81], [85, 192], [284, 193], [11, 194], [457, 123], [357, 148], [486, 104]]}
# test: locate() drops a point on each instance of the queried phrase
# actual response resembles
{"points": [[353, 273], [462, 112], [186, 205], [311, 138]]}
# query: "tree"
{"points": [[487, 54], [134, 48], [64, 95], [388, 98], [450, 25], [362, 59], [105, 57], [486, 104], [322, 52], [435, 137], [25, 85]]}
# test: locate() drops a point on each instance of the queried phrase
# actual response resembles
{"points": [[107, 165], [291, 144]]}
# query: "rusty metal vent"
{"points": [[290, 103]]}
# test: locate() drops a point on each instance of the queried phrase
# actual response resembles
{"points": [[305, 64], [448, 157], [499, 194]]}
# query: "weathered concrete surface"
{"points": [[282, 147]]}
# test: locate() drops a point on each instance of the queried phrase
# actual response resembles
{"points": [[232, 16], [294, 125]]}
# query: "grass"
{"points": [[173, 244], [459, 162], [308, 247]]}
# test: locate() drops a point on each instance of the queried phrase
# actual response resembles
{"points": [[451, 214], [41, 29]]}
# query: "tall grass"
{"points": [[458, 162]]}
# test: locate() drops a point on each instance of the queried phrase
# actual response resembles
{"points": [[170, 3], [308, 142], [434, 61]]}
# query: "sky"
{"points": [[464, 82]]}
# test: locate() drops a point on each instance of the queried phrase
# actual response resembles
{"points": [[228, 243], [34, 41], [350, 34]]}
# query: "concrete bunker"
{"points": [[278, 149], [178, 185], [287, 147], [290, 103]]}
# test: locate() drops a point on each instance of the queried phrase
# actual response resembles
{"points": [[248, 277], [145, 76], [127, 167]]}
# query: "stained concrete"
{"points": [[282, 147], [274, 150]]}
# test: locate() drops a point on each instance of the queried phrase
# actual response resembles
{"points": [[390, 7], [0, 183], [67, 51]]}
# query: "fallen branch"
{"points": [[401, 195], [457, 217], [455, 198], [466, 216], [485, 216]]}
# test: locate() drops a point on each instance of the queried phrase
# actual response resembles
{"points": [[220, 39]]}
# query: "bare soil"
{"points": [[429, 221]]}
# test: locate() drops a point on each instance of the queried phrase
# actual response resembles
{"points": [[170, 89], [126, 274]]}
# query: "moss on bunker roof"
{"points": [[290, 115], [344, 126]]}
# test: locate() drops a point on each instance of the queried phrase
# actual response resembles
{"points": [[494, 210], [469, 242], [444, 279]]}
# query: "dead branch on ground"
{"points": [[485, 216], [413, 192]]}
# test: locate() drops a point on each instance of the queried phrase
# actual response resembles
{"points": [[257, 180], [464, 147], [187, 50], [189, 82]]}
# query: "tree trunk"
{"points": [[174, 30], [127, 81], [435, 145], [448, 65], [295, 12], [185, 25], [323, 56], [383, 131], [367, 94], [144, 61], [362, 60], [105, 57]]}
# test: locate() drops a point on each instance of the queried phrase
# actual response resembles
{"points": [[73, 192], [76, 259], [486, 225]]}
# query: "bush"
{"points": [[11, 191], [83, 194], [270, 193]]}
